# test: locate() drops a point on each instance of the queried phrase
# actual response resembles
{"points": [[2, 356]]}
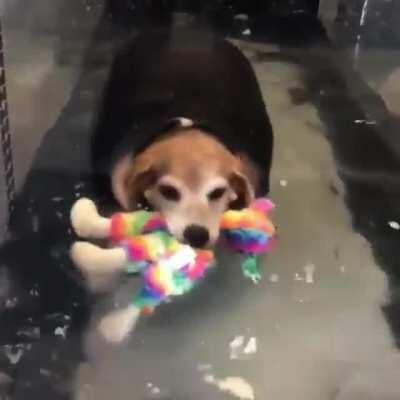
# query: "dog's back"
{"points": [[160, 76]]}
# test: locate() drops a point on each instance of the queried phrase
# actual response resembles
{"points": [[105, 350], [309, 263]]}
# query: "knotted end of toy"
{"points": [[263, 205], [250, 232]]}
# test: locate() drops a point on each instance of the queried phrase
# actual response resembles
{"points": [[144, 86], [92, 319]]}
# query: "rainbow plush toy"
{"points": [[141, 244], [168, 267]]}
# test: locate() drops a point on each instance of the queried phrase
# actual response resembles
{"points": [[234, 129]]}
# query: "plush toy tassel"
{"points": [[251, 268]]}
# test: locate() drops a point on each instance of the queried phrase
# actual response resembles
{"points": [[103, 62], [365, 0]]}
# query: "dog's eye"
{"points": [[216, 194], [169, 192]]}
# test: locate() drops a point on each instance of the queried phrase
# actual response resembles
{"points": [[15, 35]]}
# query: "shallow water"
{"points": [[317, 317]]}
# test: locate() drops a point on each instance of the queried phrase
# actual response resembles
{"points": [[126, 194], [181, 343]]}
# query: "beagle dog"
{"points": [[183, 129]]}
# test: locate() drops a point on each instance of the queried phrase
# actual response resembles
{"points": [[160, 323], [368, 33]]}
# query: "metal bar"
{"points": [[5, 133]]}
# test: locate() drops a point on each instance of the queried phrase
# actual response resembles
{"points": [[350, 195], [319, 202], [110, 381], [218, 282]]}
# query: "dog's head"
{"points": [[191, 178]]}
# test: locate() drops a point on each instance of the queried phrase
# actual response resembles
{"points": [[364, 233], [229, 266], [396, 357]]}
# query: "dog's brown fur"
{"points": [[195, 160]]}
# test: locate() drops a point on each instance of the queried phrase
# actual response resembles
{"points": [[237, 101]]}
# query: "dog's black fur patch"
{"points": [[160, 76]]}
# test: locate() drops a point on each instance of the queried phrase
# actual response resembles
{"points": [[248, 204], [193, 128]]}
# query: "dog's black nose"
{"points": [[196, 235]]}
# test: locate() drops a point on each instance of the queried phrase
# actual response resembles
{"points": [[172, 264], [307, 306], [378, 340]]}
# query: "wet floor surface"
{"points": [[324, 321]]}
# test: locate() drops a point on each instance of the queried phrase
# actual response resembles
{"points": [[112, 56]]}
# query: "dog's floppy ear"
{"points": [[138, 182], [242, 189], [131, 178], [243, 181]]}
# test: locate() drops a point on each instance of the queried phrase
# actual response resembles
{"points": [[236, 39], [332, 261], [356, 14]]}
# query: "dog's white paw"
{"points": [[117, 326], [83, 215]]}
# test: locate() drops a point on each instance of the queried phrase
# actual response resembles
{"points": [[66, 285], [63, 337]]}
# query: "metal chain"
{"points": [[5, 134]]}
